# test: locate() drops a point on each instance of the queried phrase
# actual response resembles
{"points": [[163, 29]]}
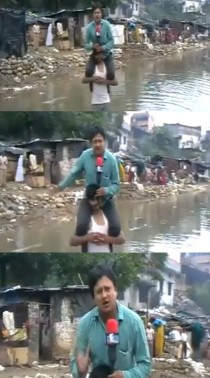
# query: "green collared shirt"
{"points": [[86, 164], [133, 357], [106, 37]]}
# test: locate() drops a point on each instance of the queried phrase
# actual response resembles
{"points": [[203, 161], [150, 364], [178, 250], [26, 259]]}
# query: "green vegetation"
{"points": [[161, 142], [200, 294], [55, 5], [29, 125], [69, 269], [165, 8]]}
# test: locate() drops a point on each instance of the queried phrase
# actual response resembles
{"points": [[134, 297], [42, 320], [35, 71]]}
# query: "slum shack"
{"points": [[39, 324], [12, 155], [67, 26], [49, 161]]}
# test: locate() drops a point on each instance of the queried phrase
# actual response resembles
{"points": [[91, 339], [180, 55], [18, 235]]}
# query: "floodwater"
{"points": [[171, 225], [176, 83]]}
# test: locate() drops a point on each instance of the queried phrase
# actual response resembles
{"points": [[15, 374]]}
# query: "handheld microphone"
{"points": [[98, 30], [99, 164], [112, 340]]}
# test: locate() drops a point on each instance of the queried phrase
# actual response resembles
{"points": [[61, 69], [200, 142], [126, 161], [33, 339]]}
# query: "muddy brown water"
{"points": [[175, 83], [171, 225]]}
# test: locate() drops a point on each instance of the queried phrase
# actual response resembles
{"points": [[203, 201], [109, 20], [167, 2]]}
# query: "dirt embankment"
{"points": [[37, 66], [19, 202]]}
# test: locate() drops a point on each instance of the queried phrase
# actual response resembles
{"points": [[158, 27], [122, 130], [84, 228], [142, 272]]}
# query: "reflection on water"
{"points": [[175, 225], [179, 82]]}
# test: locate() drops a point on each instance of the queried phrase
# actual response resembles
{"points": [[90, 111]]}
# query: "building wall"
{"points": [[166, 289], [123, 141], [143, 121], [66, 314], [68, 156]]}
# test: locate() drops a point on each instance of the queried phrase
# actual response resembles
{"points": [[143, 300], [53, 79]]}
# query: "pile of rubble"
{"points": [[171, 368], [150, 50], [22, 204], [142, 192], [42, 64]]}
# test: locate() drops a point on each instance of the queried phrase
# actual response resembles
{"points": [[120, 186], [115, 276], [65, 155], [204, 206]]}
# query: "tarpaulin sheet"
{"points": [[12, 33]]}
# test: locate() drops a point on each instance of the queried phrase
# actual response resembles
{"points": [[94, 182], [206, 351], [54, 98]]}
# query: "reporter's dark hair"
{"points": [[99, 271], [95, 7], [95, 131]]}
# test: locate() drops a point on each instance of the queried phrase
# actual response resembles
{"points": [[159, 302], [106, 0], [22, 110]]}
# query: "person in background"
{"points": [[150, 338], [132, 356], [175, 338], [109, 184], [121, 170], [197, 336], [99, 38], [99, 84], [159, 337], [3, 169], [36, 35], [184, 344], [97, 237]]}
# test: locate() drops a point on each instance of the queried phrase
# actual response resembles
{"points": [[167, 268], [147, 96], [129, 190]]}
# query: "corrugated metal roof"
{"points": [[42, 289], [77, 140]]}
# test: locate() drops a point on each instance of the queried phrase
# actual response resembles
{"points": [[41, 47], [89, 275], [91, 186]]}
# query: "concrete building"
{"points": [[142, 121], [150, 293], [188, 136]]}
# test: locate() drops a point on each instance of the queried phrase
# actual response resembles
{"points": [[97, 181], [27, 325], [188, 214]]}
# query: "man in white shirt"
{"points": [[99, 85], [150, 333], [3, 169], [97, 238]]}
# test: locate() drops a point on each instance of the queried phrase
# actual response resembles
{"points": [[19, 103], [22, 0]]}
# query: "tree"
{"points": [[28, 125], [201, 296], [68, 269], [56, 5], [161, 142], [23, 269], [165, 9]]}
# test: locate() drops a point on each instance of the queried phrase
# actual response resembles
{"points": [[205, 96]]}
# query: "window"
{"points": [[124, 140], [137, 6], [170, 288]]}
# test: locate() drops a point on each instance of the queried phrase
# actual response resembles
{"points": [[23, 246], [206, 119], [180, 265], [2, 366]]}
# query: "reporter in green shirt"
{"points": [[99, 38], [132, 355], [109, 184]]}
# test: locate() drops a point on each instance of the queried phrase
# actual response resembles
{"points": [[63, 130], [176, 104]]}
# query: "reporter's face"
{"points": [[105, 295]]}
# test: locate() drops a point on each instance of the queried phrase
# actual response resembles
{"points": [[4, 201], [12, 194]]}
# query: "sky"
{"points": [[186, 118]]}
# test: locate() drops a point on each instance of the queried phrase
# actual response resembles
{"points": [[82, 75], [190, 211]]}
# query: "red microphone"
{"points": [[112, 340], [112, 332], [99, 162], [98, 30]]}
